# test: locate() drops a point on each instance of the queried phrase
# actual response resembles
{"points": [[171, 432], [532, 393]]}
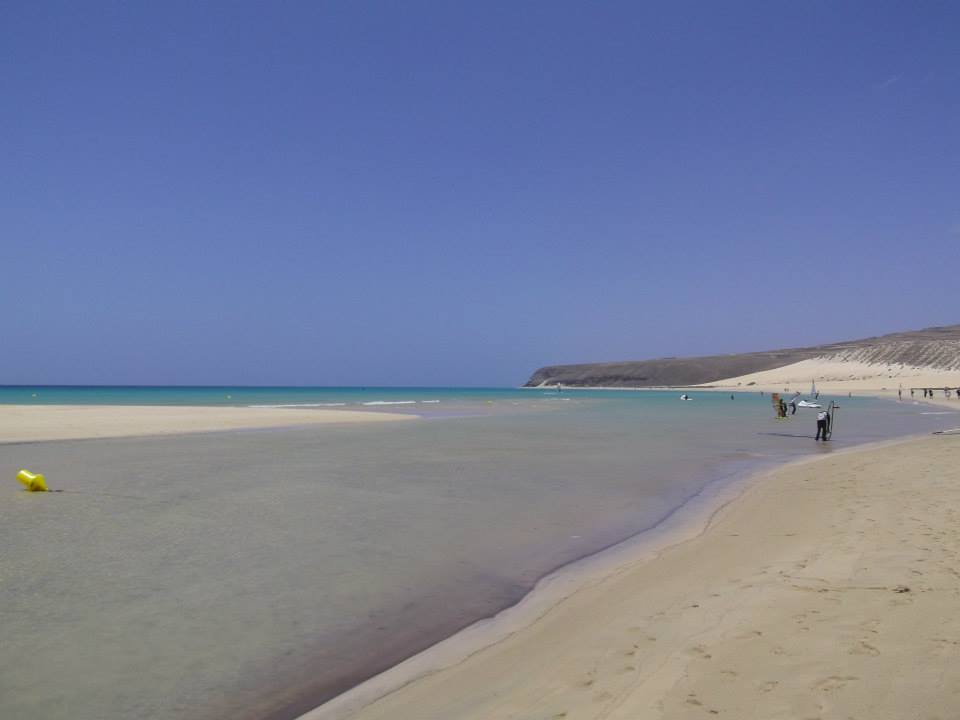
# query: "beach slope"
{"points": [[828, 589]]}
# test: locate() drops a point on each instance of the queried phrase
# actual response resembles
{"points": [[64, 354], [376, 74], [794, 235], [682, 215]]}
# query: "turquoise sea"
{"points": [[244, 396], [257, 573]]}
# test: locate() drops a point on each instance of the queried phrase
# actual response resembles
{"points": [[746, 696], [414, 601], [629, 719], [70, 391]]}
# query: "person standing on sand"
{"points": [[793, 404], [823, 418]]}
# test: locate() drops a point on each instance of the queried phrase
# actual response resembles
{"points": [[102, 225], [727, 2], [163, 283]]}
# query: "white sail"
{"points": [[813, 388]]}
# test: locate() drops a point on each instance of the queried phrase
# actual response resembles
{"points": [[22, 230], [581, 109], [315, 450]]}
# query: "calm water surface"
{"points": [[253, 574]]}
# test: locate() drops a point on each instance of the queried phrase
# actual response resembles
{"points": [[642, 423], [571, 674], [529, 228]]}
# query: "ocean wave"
{"points": [[298, 405], [390, 402], [429, 401]]}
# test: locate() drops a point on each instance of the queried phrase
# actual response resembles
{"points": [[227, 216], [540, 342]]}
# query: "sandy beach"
{"points": [[843, 376], [36, 423], [827, 589]]}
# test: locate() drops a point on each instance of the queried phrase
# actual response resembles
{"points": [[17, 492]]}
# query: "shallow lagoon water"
{"points": [[257, 573]]}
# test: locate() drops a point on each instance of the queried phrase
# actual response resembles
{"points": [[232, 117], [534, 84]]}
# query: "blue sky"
{"points": [[452, 193]]}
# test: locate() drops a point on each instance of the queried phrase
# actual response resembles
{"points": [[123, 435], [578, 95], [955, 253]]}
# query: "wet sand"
{"points": [[828, 589]]}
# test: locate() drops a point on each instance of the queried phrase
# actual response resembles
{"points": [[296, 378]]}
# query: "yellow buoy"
{"points": [[34, 482]]}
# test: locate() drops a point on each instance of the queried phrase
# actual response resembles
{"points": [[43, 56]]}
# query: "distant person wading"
{"points": [[823, 424]]}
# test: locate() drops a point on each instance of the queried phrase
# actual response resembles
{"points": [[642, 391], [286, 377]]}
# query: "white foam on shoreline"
{"points": [[343, 404], [301, 405]]}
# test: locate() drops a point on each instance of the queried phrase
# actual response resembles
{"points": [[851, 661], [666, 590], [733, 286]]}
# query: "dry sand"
{"points": [[34, 423], [834, 377], [828, 589]]}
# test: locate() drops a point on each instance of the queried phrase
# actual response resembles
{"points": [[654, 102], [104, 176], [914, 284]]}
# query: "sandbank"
{"points": [[828, 588], [35, 423]]}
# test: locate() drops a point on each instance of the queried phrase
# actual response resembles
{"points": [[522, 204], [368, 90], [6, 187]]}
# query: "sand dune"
{"points": [[842, 375]]}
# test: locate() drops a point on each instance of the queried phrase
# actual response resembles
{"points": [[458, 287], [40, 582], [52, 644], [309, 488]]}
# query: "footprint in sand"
{"points": [[864, 648], [589, 679], [692, 699], [834, 682], [700, 651]]}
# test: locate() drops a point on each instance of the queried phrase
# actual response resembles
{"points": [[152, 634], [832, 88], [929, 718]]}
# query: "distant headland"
{"points": [[911, 359]]}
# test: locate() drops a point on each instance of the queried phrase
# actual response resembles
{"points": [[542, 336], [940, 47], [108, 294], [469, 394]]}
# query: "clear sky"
{"points": [[443, 193]]}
